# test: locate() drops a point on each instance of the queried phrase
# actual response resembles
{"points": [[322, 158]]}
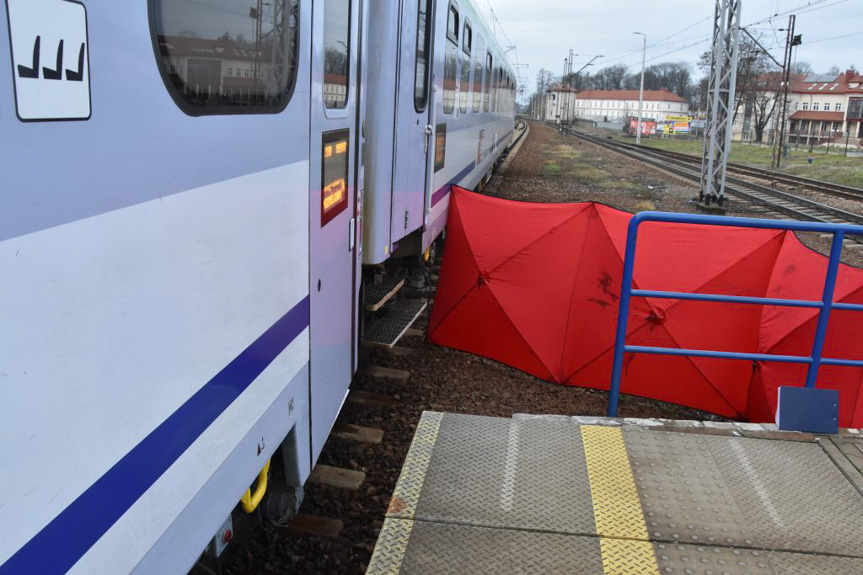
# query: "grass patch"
{"points": [[566, 153], [830, 167], [587, 174], [552, 168]]}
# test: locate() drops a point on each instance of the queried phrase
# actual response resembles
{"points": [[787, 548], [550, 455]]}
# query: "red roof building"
{"points": [[565, 104], [821, 108]]}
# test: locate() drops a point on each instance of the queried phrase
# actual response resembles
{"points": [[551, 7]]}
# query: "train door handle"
{"points": [[352, 228], [429, 131]]}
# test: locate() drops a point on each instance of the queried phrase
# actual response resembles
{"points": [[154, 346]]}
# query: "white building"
{"points": [[565, 104], [821, 108], [222, 68]]}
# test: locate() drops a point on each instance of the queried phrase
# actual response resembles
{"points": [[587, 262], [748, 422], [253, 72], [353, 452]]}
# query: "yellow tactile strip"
{"points": [[626, 549], [407, 492], [390, 549]]}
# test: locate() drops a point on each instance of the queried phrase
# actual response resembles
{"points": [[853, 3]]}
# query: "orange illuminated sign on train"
{"points": [[334, 193], [334, 176]]}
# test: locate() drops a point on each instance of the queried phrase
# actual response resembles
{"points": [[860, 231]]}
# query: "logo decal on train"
{"points": [[50, 53]]}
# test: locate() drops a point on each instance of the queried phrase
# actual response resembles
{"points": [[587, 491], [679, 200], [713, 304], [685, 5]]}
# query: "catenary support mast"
{"points": [[779, 140], [720, 100]]}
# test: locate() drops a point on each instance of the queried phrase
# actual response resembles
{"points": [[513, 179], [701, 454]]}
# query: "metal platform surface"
{"points": [[550, 495]]}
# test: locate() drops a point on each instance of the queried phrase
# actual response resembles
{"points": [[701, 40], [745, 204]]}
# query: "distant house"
{"points": [[565, 104], [821, 108]]}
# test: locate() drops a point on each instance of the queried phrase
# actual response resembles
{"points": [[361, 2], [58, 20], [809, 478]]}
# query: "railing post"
{"points": [[824, 314], [623, 314]]}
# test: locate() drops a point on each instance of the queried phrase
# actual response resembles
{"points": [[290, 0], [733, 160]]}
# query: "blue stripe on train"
{"points": [[60, 544]]}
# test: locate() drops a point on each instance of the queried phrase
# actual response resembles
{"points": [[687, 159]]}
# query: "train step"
{"points": [[375, 296], [389, 329]]}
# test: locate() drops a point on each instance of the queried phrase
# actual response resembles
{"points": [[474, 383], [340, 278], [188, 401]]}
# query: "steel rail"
{"points": [[683, 168]]}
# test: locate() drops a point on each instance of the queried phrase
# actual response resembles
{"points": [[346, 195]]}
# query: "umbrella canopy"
{"points": [[536, 286]]}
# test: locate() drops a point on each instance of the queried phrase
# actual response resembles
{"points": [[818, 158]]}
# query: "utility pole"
{"points": [[790, 41], [722, 84], [568, 79], [641, 89]]}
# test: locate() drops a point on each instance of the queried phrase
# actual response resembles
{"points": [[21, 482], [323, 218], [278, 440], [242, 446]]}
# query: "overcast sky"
{"points": [[677, 30]]}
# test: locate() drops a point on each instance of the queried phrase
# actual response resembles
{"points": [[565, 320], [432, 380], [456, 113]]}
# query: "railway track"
{"points": [[745, 183]]}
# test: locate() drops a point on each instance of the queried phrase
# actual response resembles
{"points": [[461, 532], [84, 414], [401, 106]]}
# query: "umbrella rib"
{"points": [[572, 293], [520, 335], [637, 330], [699, 287], [535, 240], [696, 290], [709, 382], [453, 308], [808, 319], [473, 287], [856, 399], [599, 354]]}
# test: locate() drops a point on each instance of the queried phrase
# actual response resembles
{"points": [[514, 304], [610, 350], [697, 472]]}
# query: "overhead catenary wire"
{"points": [[834, 37], [808, 7], [634, 56]]}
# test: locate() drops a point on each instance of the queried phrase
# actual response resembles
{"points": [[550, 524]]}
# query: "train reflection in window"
{"points": [[337, 28], [225, 56], [334, 175]]}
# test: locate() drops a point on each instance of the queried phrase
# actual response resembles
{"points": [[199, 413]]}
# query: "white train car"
{"points": [[422, 142], [181, 209]]}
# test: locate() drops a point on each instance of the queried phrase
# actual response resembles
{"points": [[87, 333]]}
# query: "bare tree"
{"points": [[610, 78], [802, 68], [762, 102], [753, 66], [544, 81]]}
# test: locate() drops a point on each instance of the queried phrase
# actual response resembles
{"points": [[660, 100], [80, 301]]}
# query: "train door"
{"points": [[413, 121], [333, 225]]}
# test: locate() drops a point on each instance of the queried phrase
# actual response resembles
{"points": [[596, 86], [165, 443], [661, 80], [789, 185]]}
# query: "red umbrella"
{"points": [[799, 274], [536, 286]]}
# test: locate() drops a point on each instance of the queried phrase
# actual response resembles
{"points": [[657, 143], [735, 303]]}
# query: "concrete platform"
{"points": [[599, 496]]}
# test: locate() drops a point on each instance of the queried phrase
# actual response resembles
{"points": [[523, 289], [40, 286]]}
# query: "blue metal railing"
{"points": [[814, 360]]}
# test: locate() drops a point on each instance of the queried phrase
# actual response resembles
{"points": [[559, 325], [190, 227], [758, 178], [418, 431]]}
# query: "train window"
{"points": [[477, 76], [198, 44], [337, 57], [499, 104], [495, 87], [488, 73], [334, 175], [467, 38], [440, 147], [466, 49], [450, 66], [421, 87]]}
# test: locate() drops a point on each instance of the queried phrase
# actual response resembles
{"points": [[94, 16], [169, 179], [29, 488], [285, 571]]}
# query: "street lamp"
{"points": [[590, 63], [641, 89]]}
